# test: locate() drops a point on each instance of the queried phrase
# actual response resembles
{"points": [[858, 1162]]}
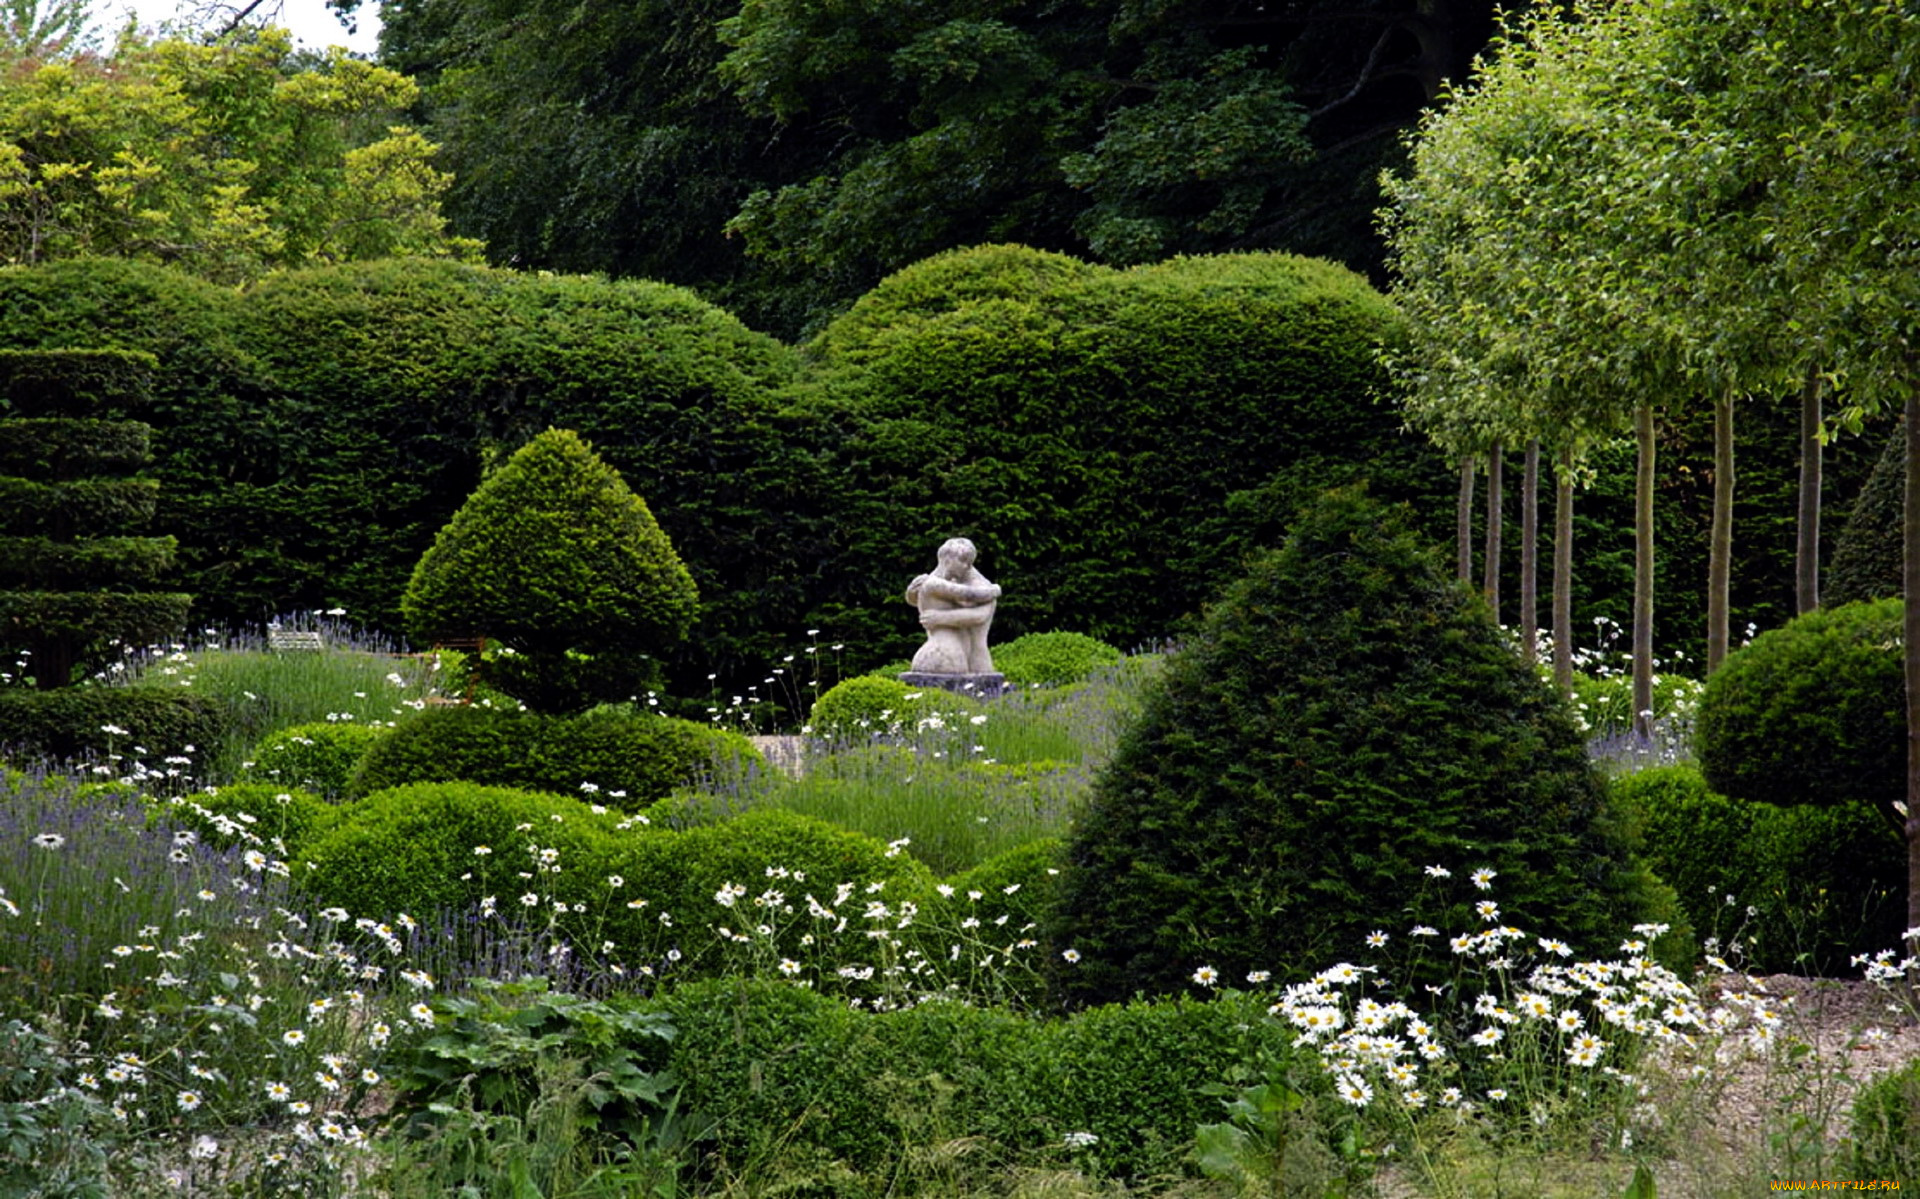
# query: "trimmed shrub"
{"points": [[680, 873], [1052, 659], [319, 757], [795, 1075], [412, 849], [1115, 442], [873, 705], [73, 723], [55, 444], [284, 821], [632, 760], [1348, 716], [554, 557], [1868, 554], [1811, 713], [1886, 1126], [1801, 889]]}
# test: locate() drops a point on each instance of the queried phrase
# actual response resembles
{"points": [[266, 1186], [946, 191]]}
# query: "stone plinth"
{"points": [[980, 686]]}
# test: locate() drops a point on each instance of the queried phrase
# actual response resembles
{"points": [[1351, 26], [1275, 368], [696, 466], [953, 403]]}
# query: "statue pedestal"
{"points": [[980, 686]]}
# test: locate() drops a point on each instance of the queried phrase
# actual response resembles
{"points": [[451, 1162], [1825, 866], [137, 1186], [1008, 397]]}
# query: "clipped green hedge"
{"points": [[319, 757], [873, 705], [412, 849], [71, 723], [792, 1073], [1823, 882], [680, 873], [283, 821], [1051, 659], [1813, 712], [631, 759], [1115, 442]]}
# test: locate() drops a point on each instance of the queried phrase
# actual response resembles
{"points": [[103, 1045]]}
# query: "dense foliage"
{"points": [[317, 757], [98, 721], [560, 563], [801, 1075], [1051, 659], [627, 760], [1781, 889], [1868, 554], [1347, 718], [1811, 713], [783, 157], [1117, 443], [73, 572], [228, 159]]}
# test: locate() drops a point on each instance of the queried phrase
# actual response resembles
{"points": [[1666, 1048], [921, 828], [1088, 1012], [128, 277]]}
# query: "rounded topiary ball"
{"points": [[319, 757], [435, 846], [1812, 712], [620, 759], [1051, 659], [1348, 715], [871, 705]]}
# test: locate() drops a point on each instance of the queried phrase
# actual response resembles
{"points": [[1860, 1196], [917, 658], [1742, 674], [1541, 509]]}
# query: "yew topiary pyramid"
{"points": [[1348, 716], [554, 559]]}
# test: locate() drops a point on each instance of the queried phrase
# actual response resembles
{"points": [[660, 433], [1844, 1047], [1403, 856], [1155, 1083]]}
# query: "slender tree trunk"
{"points": [[1495, 518], [1910, 587], [1563, 573], [1643, 574], [1720, 547], [1463, 522], [1530, 554], [1806, 559]]}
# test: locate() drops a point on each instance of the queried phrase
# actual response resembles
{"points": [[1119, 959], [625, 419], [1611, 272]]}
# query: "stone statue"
{"points": [[956, 605]]}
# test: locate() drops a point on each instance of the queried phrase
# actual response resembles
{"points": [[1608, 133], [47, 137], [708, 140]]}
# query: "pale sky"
{"points": [[312, 22]]}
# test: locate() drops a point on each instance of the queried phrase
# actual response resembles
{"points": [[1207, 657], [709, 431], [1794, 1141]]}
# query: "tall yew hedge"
{"points": [[1117, 443]]}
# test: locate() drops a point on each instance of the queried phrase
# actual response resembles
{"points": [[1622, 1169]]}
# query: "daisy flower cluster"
{"points": [[1523, 1016]]}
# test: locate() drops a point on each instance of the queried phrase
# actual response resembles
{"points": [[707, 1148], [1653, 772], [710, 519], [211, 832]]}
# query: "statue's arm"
{"points": [[959, 593], [956, 618]]}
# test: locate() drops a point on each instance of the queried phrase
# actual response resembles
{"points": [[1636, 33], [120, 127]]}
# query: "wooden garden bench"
{"points": [[295, 639]]}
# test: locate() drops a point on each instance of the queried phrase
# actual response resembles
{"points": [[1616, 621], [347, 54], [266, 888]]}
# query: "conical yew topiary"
{"points": [[1348, 716], [557, 561]]}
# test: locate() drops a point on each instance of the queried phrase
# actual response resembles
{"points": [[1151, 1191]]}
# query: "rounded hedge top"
{"points": [[553, 553], [1813, 712], [1348, 716]]}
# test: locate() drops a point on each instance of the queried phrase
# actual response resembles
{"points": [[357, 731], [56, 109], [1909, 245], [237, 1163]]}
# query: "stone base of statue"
{"points": [[980, 686]]}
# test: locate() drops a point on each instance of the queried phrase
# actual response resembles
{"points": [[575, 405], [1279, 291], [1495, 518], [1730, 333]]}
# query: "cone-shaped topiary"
{"points": [[557, 561], [1348, 716], [1867, 557]]}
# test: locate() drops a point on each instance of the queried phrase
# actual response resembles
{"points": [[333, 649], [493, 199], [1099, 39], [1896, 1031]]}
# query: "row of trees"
{"points": [[1680, 204]]}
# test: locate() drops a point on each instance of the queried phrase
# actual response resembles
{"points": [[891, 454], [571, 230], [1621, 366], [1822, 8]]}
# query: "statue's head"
{"points": [[957, 552]]}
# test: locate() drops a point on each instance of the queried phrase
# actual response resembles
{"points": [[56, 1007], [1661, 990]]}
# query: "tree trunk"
{"points": [[1463, 522], [1910, 587], [1720, 544], [1806, 562], [1563, 573], [1643, 574], [1530, 554], [1495, 518]]}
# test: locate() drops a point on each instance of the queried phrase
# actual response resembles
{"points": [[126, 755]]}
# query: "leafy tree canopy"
{"points": [[785, 155], [229, 159]]}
